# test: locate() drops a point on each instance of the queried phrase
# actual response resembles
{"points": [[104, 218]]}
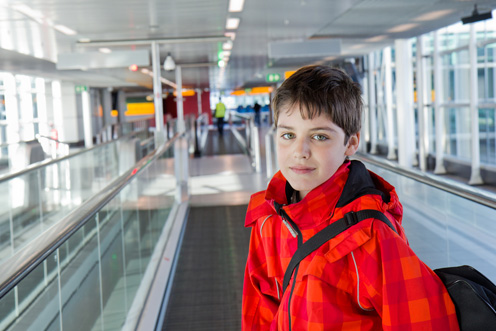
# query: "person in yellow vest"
{"points": [[220, 112]]}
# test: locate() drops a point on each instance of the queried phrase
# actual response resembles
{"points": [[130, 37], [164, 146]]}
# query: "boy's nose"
{"points": [[302, 149]]}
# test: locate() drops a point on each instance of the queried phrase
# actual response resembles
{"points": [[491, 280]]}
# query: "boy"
{"points": [[366, 278]]}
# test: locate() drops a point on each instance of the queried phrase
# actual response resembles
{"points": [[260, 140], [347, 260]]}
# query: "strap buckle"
{"points": [[351, 218]]}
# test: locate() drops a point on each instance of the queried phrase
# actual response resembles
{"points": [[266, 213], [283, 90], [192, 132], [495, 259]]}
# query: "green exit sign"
{"points": [[81, 88], [273, 78]]}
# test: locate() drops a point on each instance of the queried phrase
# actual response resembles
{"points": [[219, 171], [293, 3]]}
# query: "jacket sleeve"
{"points": [[259, 303], [402, 289]]}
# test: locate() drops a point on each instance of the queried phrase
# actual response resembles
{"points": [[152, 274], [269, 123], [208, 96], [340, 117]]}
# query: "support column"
{"points": [[422, 116], [121, 109], [372, 105], [107, 113], [388, 75], [179, 101], [87, 125], [106, 107], [157, 96], [121, 106], [405, 116], [475, 177], [439, 111], [365, 131], [199, 100]]}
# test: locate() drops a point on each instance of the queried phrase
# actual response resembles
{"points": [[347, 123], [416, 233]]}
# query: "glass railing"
{"points": [[250, 139], [37, 197], [88, 271]]}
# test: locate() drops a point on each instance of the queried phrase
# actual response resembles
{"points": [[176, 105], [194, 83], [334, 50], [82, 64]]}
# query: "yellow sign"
{"points": [[288, 74], [186, 93], [252, 91]]}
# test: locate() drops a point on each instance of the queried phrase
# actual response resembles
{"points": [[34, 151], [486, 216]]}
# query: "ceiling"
{"points": [[31, 44]]}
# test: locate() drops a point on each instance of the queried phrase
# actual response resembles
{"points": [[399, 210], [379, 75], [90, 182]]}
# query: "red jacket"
{"points": [[366, 278]]}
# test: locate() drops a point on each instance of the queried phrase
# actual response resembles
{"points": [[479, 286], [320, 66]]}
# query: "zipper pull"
{"points": [[290, 228]]}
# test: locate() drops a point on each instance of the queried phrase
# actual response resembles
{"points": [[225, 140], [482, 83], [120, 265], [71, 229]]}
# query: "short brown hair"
{"points": [[322, 90]]}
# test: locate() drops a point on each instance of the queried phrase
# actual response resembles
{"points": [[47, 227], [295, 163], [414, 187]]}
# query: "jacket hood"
{"points": [[350, 182]]}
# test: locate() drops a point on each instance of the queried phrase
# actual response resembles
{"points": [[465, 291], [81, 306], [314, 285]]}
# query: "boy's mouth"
{"points": [[301, 170]]}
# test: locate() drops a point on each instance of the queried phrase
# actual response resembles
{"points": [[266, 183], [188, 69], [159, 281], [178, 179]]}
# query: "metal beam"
{"points": [[145, 41]]}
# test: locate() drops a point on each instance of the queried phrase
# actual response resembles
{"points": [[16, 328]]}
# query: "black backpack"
{"points": [[473, 295]]}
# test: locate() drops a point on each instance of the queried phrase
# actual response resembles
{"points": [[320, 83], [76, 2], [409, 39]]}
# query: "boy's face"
{"points": [[309, 151]]}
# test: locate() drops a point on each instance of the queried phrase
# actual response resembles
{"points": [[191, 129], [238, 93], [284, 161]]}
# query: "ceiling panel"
{"points": [[261, 22]]}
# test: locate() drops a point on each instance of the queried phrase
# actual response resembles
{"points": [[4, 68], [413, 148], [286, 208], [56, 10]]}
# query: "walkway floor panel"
{"points": [[207, 289]]}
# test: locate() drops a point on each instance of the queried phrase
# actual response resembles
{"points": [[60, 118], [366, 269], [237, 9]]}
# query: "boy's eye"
{"points": [[288, 135], [320, 137]]}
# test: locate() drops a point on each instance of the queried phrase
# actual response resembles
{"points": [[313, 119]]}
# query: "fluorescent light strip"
{"points": [[434, 15], [376, 38], [40, 18], [231, 35], [34, 14], [232, 23], [403, 27], [236, 5], [105, 50], [65, 30]]}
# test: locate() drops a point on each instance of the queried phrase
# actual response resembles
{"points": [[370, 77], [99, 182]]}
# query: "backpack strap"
{"points": [[328, 233]]}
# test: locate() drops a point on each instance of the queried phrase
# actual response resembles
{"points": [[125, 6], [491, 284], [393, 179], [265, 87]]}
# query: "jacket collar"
{"points": [[318, 204], [351, 181]]}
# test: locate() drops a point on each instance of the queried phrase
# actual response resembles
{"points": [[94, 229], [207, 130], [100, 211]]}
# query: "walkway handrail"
{"points": [[28, 258], [50, 138], [48, 162], [482, 197], [201, 131], [251, 144]]}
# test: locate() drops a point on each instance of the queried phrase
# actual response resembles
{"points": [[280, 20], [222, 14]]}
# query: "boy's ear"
{"points": [[352, 145]]}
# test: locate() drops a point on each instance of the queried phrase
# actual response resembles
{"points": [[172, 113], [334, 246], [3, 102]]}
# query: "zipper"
{"points": [[290, 228]]}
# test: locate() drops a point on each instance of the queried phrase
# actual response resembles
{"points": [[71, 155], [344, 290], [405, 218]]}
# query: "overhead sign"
{"points": [[81, 88], [307, 48], [272, 78]]}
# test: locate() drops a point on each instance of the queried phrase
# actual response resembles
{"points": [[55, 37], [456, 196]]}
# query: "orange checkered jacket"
{"points": [[366, 278]]}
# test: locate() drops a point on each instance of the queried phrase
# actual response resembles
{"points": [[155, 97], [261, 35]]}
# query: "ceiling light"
{"points": [[231, 35], [434, 15], [403, 27], [476, 16], [169, 63], [227, 45], [357, 46], [236, 5], [232, 23], [34, 14], [376, 39], [105, 50], [65, 30]]}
